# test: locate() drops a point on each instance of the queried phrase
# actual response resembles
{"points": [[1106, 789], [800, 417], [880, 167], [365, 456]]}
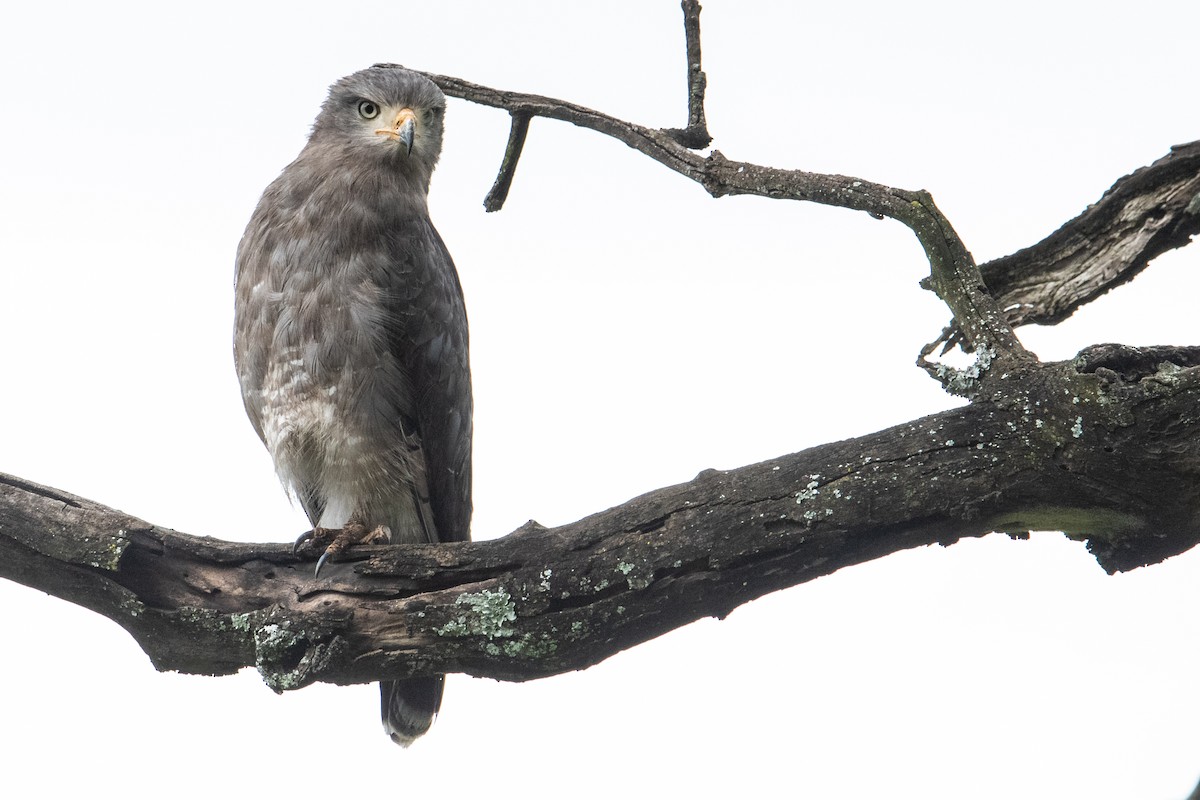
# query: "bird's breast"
{"points": [[329, 383]]}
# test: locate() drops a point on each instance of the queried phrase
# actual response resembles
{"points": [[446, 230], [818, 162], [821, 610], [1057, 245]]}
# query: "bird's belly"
{"points": [[336, 433]]}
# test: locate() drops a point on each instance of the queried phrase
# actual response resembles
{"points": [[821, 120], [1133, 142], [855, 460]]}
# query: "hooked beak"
{"points": [[402, 129]]}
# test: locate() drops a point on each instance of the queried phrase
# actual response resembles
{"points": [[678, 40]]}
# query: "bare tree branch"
{"points": [[695, 136], [1059, 452], [508, 167], [1143, 215], [955, 276], [1147, 213]]}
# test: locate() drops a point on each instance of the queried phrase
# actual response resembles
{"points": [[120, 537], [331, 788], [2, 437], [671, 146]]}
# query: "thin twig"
{"points": [[695, 136], [522, 107], [508, 167]]}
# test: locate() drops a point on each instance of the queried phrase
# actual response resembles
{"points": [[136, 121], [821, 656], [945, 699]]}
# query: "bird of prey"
{"points": [[351, 337]]}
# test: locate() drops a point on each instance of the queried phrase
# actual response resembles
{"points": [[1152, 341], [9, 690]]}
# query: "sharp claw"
{"points": [[304, 537], [320, 563]]}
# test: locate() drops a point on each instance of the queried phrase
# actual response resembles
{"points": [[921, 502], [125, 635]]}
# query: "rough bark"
{"points": [[1100, 447], [1144, 214]]}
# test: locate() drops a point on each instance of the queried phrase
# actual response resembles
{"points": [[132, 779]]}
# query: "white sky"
{"points": [[628, 331]]}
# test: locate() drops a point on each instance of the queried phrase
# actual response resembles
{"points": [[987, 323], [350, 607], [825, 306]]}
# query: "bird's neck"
{"points": [[393, 179]]}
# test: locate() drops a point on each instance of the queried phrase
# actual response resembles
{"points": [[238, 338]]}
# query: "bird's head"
{"points": [[386, 112]]}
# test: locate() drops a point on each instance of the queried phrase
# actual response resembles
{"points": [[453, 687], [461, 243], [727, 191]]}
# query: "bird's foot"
{"points": [[336, 540]]}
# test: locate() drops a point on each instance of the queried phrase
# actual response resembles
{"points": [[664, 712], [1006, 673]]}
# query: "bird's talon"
{"points": [[301, 539], [320, 563]]}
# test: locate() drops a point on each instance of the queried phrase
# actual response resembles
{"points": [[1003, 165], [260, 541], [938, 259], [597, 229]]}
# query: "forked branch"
{"points": [[1143, 215]]}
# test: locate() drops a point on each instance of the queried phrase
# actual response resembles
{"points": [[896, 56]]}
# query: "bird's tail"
{"points": [[409, 706]]}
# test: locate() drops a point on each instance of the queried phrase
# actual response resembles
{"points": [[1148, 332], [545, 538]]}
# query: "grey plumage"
{"points": [[351, 334]]}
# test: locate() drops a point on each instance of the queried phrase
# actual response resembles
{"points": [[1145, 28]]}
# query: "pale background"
{"points": [[628, 331]]}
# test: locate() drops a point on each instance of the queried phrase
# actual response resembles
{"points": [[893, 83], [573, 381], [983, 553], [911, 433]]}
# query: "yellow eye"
{"points": [[368, 110]]}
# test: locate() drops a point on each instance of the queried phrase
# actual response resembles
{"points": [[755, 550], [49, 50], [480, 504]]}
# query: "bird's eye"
{"points": [[368, 110], [427, 116]]}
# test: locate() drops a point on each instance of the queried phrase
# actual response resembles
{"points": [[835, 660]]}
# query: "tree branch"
{"points": [[1144, 214], [954, 274], [1060, 451], [695, 136], [508, 167]]}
